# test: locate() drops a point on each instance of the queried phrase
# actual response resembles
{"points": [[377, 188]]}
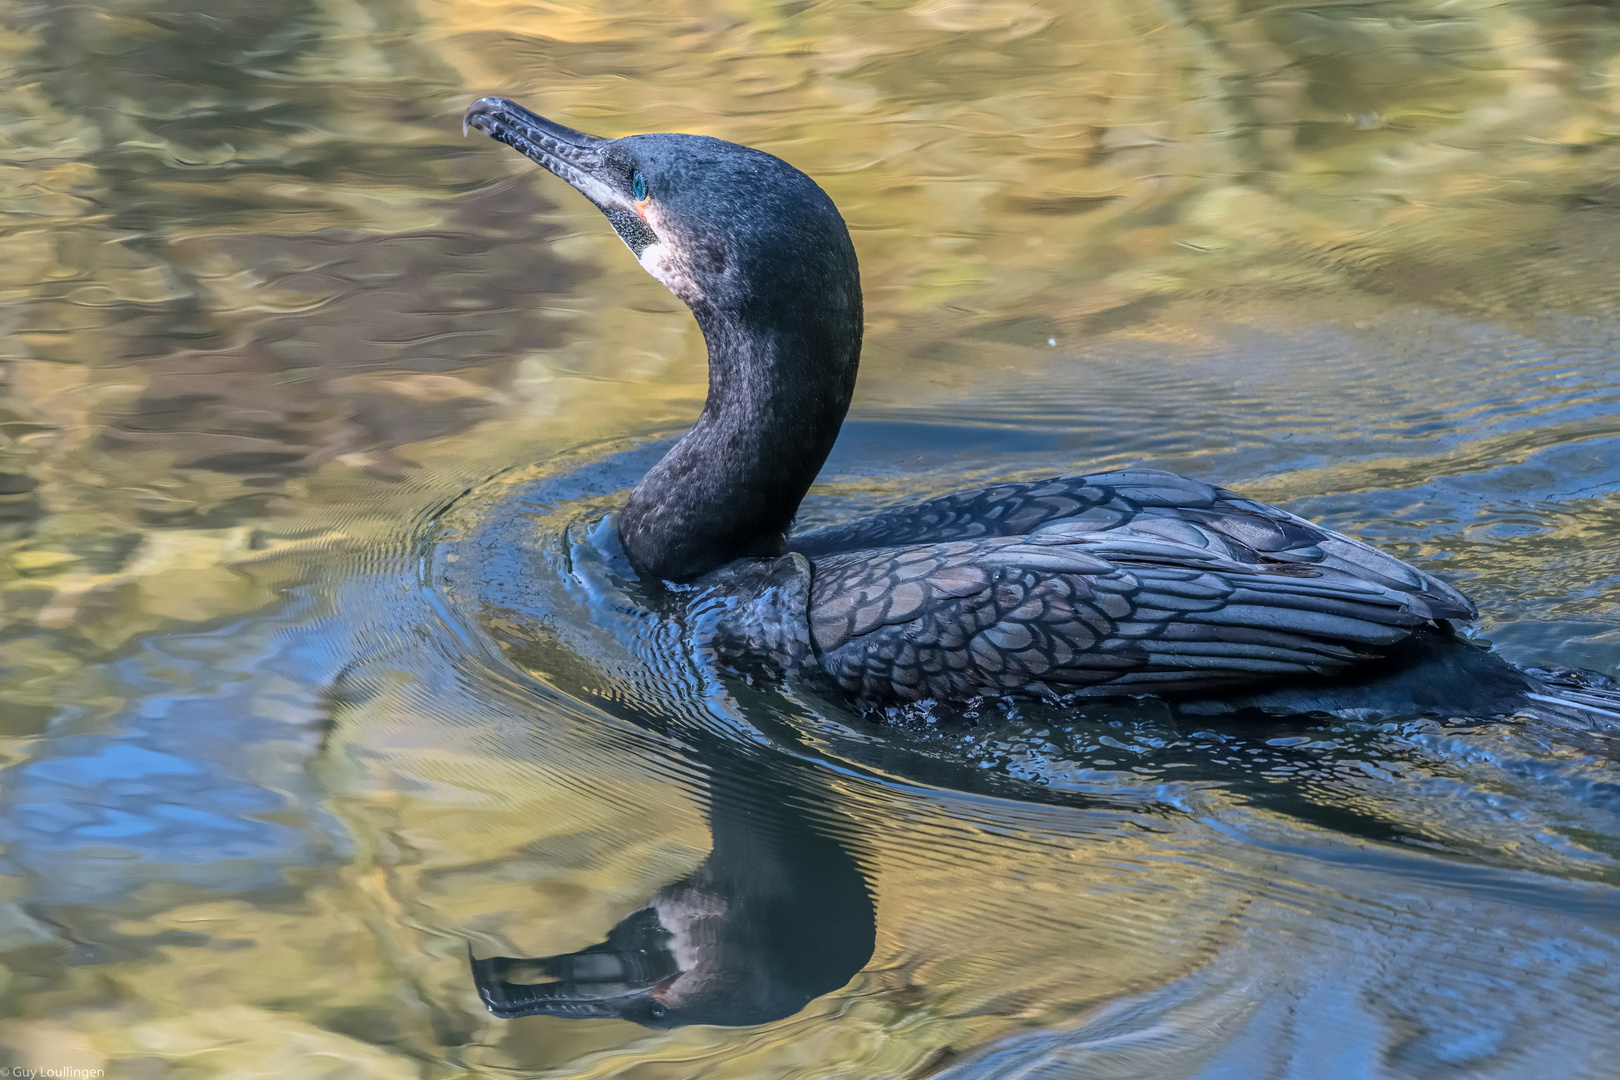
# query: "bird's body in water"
{"points": [[1123, 583]]}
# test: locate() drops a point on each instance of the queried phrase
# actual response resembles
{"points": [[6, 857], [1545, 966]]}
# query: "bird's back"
{"points": [[1129, 582]]}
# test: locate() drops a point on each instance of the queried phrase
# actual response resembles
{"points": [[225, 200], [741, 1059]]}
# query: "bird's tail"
{"points": [[1575, 696], [1440, 674]]}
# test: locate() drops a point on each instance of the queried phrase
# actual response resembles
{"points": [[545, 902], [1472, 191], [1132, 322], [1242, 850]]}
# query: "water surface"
{"points": [[314, 674]]}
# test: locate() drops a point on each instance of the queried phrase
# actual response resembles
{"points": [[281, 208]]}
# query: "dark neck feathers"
{"points": [[783, 352]]}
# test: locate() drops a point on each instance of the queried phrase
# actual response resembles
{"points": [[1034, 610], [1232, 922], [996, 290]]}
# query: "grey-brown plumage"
{"points": [[1136, 581], [1128, 582]]}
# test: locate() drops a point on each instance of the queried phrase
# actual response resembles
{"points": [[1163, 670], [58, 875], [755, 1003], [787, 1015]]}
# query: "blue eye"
{"points": [[638, 185]]}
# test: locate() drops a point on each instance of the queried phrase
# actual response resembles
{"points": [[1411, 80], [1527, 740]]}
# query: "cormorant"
{"points": [[1118, 583]]}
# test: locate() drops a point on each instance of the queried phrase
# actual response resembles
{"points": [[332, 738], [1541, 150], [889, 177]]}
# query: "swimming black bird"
{"points": [[1120, 583]]}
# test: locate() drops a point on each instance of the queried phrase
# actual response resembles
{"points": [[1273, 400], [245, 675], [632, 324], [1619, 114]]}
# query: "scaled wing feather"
{"points": [[1129, 582]]}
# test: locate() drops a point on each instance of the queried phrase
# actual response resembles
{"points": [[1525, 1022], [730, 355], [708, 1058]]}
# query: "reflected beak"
{"points": [[621, 977], [512, 987]]}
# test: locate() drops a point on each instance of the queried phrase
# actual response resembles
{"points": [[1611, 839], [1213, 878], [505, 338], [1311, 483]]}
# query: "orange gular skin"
{"points": [[660, 992], [641, 207]]}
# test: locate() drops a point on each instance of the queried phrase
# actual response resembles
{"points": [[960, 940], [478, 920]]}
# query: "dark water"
{"points": [[314, 672]]}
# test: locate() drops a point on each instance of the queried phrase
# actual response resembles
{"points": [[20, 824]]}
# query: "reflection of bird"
{"points": [[1128, 582], [777, 915]]}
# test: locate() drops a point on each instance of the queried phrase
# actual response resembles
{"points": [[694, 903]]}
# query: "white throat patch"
{"points": [[661, 262]]}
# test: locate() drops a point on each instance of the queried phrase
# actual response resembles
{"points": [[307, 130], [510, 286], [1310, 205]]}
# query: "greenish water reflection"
{"points": [[266, 313]]}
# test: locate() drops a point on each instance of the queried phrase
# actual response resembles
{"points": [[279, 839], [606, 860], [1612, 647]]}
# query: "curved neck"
{"points": [[781, 372]]}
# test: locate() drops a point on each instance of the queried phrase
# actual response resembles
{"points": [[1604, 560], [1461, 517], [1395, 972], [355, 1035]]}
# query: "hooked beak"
{"points": [[572, 155]]}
